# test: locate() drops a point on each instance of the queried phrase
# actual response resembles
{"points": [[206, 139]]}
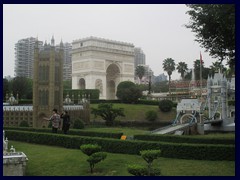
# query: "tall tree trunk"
{"points": [[169, 89]]}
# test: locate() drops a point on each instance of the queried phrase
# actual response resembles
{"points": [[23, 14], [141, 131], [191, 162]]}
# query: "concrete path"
{"points": [[172, 128]]}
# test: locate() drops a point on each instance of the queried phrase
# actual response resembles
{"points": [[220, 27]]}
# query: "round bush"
{"points": [[151, 115], [128, 92], [139, 170], [24, 124], [165, 105], [78, 124]]}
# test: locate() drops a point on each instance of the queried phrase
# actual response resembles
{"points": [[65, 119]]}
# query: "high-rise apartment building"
{"points": [[24, 56], [139, 57], [67, 61]]}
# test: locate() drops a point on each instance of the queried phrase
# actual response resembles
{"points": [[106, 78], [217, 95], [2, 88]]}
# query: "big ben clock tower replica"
{"points": [[47, 82]]}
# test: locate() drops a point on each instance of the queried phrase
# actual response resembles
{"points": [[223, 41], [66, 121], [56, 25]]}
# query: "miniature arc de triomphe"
{"points": [[101, 64]]}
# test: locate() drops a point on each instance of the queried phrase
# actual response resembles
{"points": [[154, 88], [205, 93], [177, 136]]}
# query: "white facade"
{"points": [[101, 64]]}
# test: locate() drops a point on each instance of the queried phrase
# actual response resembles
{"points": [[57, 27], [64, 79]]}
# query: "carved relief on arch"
{"points": [[99, 85]]}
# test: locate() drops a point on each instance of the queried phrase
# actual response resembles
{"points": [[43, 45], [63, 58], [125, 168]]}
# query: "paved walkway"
{"points": [[172, 129]]}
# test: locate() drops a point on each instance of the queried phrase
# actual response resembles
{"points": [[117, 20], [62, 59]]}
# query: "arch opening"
{"points": [[112, 77], [82, 83]]}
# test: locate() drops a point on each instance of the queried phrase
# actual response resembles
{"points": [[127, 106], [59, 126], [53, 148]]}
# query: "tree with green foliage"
{"points": [[107, 112], [128, 92], [78, 124], [169, 67], [151, 115], [5, 88], [149, 156], [160, 86], [95, 156], [182, 69], [21, 86], [214, 26], [216, 66], [205, 71], [140, 71], [67, 84], [165, 105]]}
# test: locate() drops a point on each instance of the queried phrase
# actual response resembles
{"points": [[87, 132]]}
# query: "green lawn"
{"points": [[125, 130], [56, 161], [137, 112]]}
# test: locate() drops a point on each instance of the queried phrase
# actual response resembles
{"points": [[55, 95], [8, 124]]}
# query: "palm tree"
{"points": [[216, 66], [182, 68], [140, 71], [169, 67]]}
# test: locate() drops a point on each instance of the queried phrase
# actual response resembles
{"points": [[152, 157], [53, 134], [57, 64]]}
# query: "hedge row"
{"points": [[71, 132], [141, 101], [169, 150], [185, 139], [89, 93]]}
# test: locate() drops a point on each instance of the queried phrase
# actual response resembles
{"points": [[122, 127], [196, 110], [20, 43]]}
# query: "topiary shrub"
{"points": [[151, 115], [93, 151], [165, 105], [149, 156], [89, 149], [23, 124], [78, 124], [96, 158]]}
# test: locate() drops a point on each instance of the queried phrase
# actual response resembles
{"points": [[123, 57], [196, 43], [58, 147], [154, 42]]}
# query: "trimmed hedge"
{"points": [[93, 93], [148, 102], [141, 101], [98, 101], [25, 101], [71, 132], [185, 139], [169, 150]]}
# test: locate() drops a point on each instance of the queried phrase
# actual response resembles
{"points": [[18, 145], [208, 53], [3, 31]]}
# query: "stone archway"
{"points": [[185, 118], [82, 83], [217, 115], [112, 78]]}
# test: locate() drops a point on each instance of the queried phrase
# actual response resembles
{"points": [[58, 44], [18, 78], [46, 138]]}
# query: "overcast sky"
{"points": [[157, 28]]}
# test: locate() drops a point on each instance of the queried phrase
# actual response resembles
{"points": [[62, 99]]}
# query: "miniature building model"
{"points": [[101, 64], [47, 82]]}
